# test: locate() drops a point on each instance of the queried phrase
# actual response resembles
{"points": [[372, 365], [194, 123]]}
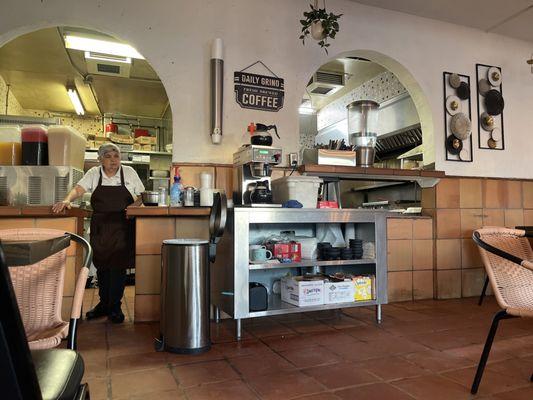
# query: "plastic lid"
{"points": [[185, 242], [34, 133], [10, 134]]}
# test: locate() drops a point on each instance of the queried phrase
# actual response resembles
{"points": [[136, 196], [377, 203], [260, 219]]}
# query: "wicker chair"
{"points": [[507, 256], [39, 292]]}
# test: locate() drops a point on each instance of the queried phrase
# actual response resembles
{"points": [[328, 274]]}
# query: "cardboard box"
{"points": [[146, 140], [284, 251], [339, 292], [296, 291], [363, 288]]}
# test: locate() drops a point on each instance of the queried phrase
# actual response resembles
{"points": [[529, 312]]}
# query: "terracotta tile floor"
{"points": [[422, 350]]}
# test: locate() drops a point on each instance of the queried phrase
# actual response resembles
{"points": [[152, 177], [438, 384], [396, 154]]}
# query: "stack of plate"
{"points": [[357, 247]]}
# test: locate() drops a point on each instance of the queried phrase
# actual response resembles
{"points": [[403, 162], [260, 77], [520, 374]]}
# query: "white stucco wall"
{"points": [[175, 36]]}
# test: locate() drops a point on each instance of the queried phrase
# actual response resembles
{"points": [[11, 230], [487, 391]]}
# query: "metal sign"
{"points": [[259, 92]]}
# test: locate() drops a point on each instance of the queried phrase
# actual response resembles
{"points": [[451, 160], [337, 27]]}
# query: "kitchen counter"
{"points": [[42, 217], [153, 225], [342, 169], [42, 211], [144, 211]]}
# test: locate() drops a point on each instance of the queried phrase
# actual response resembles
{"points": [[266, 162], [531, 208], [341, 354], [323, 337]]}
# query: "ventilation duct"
{"points": [[324, 83]]}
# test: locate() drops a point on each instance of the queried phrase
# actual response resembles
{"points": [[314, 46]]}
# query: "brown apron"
{"points": [[112, 234]]}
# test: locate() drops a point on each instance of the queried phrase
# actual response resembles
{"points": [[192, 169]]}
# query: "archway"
{"points": [[38, 70], [414, 90]]}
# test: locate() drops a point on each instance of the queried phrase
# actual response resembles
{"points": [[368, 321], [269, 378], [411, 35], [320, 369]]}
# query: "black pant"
{"points": [[111, 284]]}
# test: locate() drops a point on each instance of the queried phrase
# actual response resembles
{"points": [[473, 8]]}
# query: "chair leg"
{"points": [[486, 350], [72, 334], [483, 291]]}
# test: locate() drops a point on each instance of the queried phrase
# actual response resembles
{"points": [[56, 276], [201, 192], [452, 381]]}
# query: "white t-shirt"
{"points": [[132, 181]]}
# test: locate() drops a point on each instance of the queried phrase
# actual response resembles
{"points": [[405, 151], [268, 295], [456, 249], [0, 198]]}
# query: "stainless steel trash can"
{"points": [[184, 323]]}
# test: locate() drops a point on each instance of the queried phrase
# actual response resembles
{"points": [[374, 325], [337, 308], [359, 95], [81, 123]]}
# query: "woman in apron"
{"points": [[114, 187]]}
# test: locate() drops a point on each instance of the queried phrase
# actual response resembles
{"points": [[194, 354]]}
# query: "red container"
{"points": [[111, 128], [290, 250], [327, 204], [140, 132]]}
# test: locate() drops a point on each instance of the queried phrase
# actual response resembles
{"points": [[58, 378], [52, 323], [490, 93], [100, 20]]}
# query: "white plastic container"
{"points": [[66, 146], [302, 293], [301, 188]]}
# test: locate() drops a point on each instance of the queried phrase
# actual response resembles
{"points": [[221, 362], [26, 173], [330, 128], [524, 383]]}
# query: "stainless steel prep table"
{"points": [[232, 271]]}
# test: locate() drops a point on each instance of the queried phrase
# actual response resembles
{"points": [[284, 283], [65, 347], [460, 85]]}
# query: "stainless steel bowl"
{"points": [[150, 198]]}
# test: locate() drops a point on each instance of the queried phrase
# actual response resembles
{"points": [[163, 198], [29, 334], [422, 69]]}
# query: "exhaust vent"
{"points": [[34, 190], [61, 188], [105, 64], [4, 201], [325, 83]]}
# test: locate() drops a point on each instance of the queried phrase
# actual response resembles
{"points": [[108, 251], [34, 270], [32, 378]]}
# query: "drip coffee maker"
{"points": [[252, 170]]}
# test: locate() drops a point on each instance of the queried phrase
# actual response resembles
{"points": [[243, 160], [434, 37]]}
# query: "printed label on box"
{"points": [[338, 292], [302, 293]]}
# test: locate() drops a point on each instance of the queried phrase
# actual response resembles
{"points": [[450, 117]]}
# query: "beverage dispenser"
{"points": [[10, 145], [363, 130]]}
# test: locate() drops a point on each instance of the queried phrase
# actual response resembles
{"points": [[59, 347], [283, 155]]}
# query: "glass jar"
{"points": [[363, 123]]}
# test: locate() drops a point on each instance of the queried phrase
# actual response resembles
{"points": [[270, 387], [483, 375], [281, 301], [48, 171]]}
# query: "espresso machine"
{"points": [[252, 170]]}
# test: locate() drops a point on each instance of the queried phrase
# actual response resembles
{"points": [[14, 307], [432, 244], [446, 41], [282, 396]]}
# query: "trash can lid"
{"points": [[186, 242]]}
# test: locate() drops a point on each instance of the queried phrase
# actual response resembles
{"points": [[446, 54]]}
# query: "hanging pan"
{"points": [[487, 121], [460, 126], [463, 91], [494, 75], [494, 102], [454, 145], [483, 86], [453, 105]]}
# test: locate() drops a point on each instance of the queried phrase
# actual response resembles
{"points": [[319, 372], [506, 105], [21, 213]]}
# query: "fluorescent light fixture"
{"points": [[77, 42], [75, 100], [105, 57], [306, 108]]}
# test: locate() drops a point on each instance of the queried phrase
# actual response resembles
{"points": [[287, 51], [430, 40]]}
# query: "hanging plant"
{"points": [[320, 24]]}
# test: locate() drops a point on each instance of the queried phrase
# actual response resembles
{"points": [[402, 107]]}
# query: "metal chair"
{"points": [[505, 254], [39, 291]]}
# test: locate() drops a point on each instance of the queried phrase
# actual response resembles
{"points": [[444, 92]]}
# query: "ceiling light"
{"points": [[75, 100], [530, 62], [306, 108], [77, 42]]}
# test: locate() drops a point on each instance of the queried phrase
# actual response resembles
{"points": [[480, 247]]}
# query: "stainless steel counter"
{"points": [[232, 271]]}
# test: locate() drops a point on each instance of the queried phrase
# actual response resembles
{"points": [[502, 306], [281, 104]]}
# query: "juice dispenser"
{"points": [[363, 130], [10, 145], [66, 146], [34, 145]]}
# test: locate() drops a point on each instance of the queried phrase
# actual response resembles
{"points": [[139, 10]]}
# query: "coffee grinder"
{"points": [[252, 170]]}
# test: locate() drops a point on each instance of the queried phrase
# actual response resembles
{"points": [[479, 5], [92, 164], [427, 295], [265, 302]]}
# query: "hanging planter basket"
{"points": [[317, 30], [320, 24]]}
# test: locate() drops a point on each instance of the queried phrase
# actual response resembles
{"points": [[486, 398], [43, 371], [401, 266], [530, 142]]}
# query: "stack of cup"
{"points": [[206, 189]]}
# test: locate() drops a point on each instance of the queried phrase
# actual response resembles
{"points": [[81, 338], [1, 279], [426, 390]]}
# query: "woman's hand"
{"points": [[60, 206]]}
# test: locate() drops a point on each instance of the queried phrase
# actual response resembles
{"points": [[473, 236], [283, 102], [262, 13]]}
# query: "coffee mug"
{"points": [[256, 246], [261, 254]]}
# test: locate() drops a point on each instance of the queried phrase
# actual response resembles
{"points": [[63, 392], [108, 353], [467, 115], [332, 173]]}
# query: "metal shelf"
{"points": [[278, 307], [155, 153], [312, 263]]}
